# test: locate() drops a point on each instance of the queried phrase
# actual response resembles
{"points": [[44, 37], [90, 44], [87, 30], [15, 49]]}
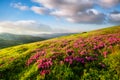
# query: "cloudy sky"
{"points": [[51, 16]]}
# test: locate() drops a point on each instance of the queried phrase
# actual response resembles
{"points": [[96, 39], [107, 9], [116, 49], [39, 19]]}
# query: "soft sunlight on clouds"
{"points": [[19, 6], [30, 27], [39, 10], [76, 11], [23, 27], [51, 16], [79, 11]]}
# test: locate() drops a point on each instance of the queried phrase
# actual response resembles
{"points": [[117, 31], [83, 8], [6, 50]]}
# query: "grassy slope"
{"points": [[13, 59]]}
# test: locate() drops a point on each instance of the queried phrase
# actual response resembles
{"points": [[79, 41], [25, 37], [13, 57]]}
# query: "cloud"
{"points": [[39, 10], [77, 11], [30, 27], [115, 17], [75, 5], [24, 27], [73, 10], [108, 3], [90, 18], [19, 6]]}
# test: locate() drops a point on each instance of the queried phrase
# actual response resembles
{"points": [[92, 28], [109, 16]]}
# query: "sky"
{"points": [[57, 16]]}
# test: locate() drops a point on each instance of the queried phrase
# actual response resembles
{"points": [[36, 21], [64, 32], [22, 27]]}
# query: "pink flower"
{"points": [[82, 45], [105, 54], [66, 59], [110, 47], [39, 61], [44, 72], [82, 52], [95, 47], [69, 59], [44, 63], [76, 45], [35, 57], [69, 52]]}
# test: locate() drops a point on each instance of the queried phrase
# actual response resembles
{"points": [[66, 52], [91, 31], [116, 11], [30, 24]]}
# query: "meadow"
{"points": [[93, 55]]}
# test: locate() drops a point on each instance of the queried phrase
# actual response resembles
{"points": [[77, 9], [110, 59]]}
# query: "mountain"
{"points": [[7, 39], [93, 55], [53, 35]]}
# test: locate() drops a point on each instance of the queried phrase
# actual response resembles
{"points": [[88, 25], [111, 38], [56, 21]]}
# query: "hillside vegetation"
{"points": [[7, 40], [93, 55]]}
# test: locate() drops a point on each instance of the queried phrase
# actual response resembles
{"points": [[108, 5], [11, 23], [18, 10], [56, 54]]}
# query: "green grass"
{"points": [[13, 60]]}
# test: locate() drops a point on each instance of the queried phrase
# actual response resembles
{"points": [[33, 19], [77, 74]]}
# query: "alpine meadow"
{"points": [[59, 39]]}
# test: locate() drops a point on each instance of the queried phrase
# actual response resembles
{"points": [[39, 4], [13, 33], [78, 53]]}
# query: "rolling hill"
{"points": [[93, 55], [7, 39]]}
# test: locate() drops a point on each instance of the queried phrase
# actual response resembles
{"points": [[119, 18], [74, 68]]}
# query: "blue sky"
{"points": [[50, 16]]}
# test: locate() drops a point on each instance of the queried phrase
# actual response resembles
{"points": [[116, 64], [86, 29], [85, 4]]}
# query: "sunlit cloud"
{"points": [[24, 27], [39, 10], [79, 11]]}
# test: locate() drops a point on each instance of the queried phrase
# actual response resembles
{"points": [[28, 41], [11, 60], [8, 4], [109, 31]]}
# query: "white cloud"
{"points": [[79, 11], [93, 11], [115, 17], [19, 6], [39, 10], [23, 27], [91, 16]]}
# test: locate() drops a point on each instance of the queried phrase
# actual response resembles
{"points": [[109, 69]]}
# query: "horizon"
{"points": [[31, 17]]}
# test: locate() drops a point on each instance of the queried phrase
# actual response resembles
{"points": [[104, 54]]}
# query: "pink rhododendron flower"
{"points": [[105, 54]]}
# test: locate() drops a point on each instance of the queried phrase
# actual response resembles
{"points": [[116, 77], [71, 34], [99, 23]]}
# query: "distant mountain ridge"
{"points": [[7, 39], [53, 35]]}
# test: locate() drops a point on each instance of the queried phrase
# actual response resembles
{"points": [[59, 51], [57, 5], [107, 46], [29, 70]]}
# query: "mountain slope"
{"points": [[53, 35], [93, 55], [7, 39]]}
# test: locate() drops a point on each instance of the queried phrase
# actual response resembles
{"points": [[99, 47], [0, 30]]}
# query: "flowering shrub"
{"points": [[44, 65], [35, 57], [77, 54], [88, 56], [43, 72], [69, 59]]}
